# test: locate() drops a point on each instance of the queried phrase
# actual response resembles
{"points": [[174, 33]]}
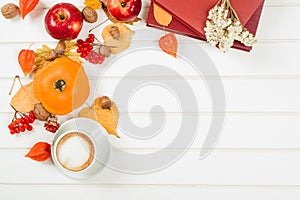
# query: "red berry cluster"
{"points": [[21, 124], [52, 125], [85, 47], [95, 58], [86, 50]]}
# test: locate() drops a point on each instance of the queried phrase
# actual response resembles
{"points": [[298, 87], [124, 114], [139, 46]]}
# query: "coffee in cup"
{"points": [[75, 151]]}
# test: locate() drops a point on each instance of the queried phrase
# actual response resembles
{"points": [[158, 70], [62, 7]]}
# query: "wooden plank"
{"points": [[219, 168], [267, 60], [240, 132], [241, 95], [145, 193]]}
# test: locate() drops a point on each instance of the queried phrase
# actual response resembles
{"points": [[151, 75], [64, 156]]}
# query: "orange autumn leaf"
{"points": [[169, 44], [26, 6], [26, 60], [41, 151], [161, 16]]}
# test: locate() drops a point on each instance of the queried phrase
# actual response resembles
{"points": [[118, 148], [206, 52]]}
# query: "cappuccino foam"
{"points": [[75, 151]]}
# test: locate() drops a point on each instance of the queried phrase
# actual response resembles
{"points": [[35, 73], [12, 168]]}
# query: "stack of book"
{"points": [[189, 16]]}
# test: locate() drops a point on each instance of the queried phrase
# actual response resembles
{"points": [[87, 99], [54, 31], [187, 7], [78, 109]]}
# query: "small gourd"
{"points": [[61, 86]]}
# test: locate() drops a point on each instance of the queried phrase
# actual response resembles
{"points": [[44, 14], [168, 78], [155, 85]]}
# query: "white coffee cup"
{"points": [[80, 148]]}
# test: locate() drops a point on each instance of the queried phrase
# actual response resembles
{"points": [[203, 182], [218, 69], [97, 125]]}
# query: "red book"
{"points": [[189, 16]]}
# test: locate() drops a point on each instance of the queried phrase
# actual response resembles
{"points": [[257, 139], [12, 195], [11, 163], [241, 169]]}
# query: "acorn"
{"points": [[106, 103]]}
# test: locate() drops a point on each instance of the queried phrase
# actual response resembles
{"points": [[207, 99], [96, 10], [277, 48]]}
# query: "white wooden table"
{"points": [[257, 157]]}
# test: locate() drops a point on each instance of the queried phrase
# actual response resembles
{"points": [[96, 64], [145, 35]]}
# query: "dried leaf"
{"points": [[88, 112], [161, 16], [96, 4], [108, 118], [41, 151], [24, 100], [117, 45], [26, 6], [26, 60], [169, 44]]}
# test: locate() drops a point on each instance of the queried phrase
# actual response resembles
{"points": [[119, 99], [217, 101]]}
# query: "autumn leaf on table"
{"points": [[24, 100], [169, 44], [26, 6], [105, 112], [161, 16]]}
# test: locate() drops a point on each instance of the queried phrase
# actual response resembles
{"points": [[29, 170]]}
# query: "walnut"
{"points": [[114, 31], [10, 11], [89, 14], [40, 112]]}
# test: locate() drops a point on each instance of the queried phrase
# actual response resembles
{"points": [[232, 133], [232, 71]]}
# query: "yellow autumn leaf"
{"points": [[24, 100], [107, 117], [96, 4], [161, 16]]}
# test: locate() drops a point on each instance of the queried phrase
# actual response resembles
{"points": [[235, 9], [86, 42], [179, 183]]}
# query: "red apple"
{"points": [[124, 10], [63, 21]]}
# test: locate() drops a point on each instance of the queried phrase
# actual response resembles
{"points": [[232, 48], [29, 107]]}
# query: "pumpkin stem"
{"points": [[59, 85]]}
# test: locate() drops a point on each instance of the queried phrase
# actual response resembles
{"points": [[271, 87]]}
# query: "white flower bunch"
{"points": [[223, 27]]}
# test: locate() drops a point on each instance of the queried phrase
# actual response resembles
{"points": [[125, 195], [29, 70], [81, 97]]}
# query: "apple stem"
{"points": [[123, 4], [98, 25]]}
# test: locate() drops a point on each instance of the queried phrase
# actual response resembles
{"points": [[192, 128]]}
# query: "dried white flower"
{"points": [[223, 27]]}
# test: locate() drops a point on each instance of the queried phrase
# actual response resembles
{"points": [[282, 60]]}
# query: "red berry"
{"points": [[26, 120], [10, 127], [29, 128], [18, 121], [91, 35], [79, 41], [30, 119], [86, 44], [17, 130], [83, 55], [80, 45], [78, 50], [89, 40], [85, 49], [22, 128], [88, 52], [31, 114], [13, 124], [12, 131], [22, 120]]}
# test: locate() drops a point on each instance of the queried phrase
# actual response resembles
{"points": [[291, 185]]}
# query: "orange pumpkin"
{"points": [[61, 86]]}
